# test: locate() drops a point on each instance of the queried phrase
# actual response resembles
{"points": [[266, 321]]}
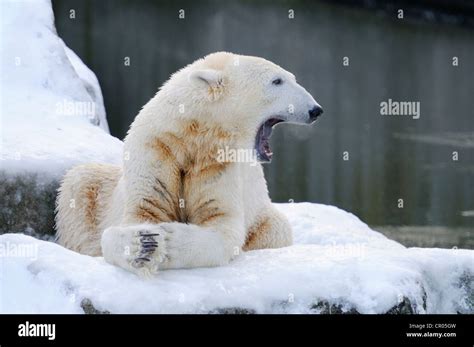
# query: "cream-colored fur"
{"points": [[173, 204]]}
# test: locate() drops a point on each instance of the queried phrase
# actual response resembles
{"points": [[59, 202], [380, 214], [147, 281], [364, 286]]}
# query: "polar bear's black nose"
{"points": [[315, 112]]}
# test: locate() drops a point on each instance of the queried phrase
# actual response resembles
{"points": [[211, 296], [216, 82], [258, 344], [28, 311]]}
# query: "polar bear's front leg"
{"points": [[131, 247], [146, 248]]}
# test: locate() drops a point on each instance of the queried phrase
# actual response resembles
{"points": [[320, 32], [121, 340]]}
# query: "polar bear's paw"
{"points": [[140, 248], [148, 249]]}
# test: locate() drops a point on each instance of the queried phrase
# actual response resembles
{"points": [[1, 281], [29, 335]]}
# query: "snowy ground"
{"points": [[336, 259]]}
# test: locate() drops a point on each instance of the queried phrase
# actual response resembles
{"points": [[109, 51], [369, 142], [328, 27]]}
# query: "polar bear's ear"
{"points": [[209, 76], [213, 79]]}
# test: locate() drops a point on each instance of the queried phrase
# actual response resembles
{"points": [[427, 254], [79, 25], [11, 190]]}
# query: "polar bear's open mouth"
{"points": [[262, 140]]}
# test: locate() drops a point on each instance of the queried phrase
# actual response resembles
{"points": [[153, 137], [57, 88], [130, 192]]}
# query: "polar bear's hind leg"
{"points": [[83, 201], [270, 230]]}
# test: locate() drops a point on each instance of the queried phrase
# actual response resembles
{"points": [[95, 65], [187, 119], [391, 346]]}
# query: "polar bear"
{"points": [[175, 203]]}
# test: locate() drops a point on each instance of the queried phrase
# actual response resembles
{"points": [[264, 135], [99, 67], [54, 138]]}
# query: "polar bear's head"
{"points": [[249, 95]]}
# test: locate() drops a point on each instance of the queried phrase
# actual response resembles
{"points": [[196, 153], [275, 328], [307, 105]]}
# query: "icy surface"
{"points": [[51, 110], [336, 259]]}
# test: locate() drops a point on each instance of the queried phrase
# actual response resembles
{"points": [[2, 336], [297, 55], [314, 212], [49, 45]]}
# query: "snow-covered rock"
{"points": [[338, 264], [50, 99], [51, 115]]}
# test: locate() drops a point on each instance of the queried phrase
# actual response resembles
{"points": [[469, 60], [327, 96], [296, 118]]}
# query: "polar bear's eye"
{"points": [[277, 81]]}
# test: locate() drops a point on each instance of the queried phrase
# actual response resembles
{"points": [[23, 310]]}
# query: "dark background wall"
{"points": [[406, 59]]}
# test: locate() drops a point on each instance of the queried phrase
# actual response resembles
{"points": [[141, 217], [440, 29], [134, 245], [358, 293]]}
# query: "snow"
{"points": [[336, 258], [92, 86], [51, 108]]}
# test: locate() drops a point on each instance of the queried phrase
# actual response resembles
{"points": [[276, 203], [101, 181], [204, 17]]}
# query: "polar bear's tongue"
{"points": [[263, 137]]}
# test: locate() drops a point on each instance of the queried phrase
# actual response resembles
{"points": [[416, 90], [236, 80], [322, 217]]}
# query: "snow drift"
{"points": [[52, 114]]}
